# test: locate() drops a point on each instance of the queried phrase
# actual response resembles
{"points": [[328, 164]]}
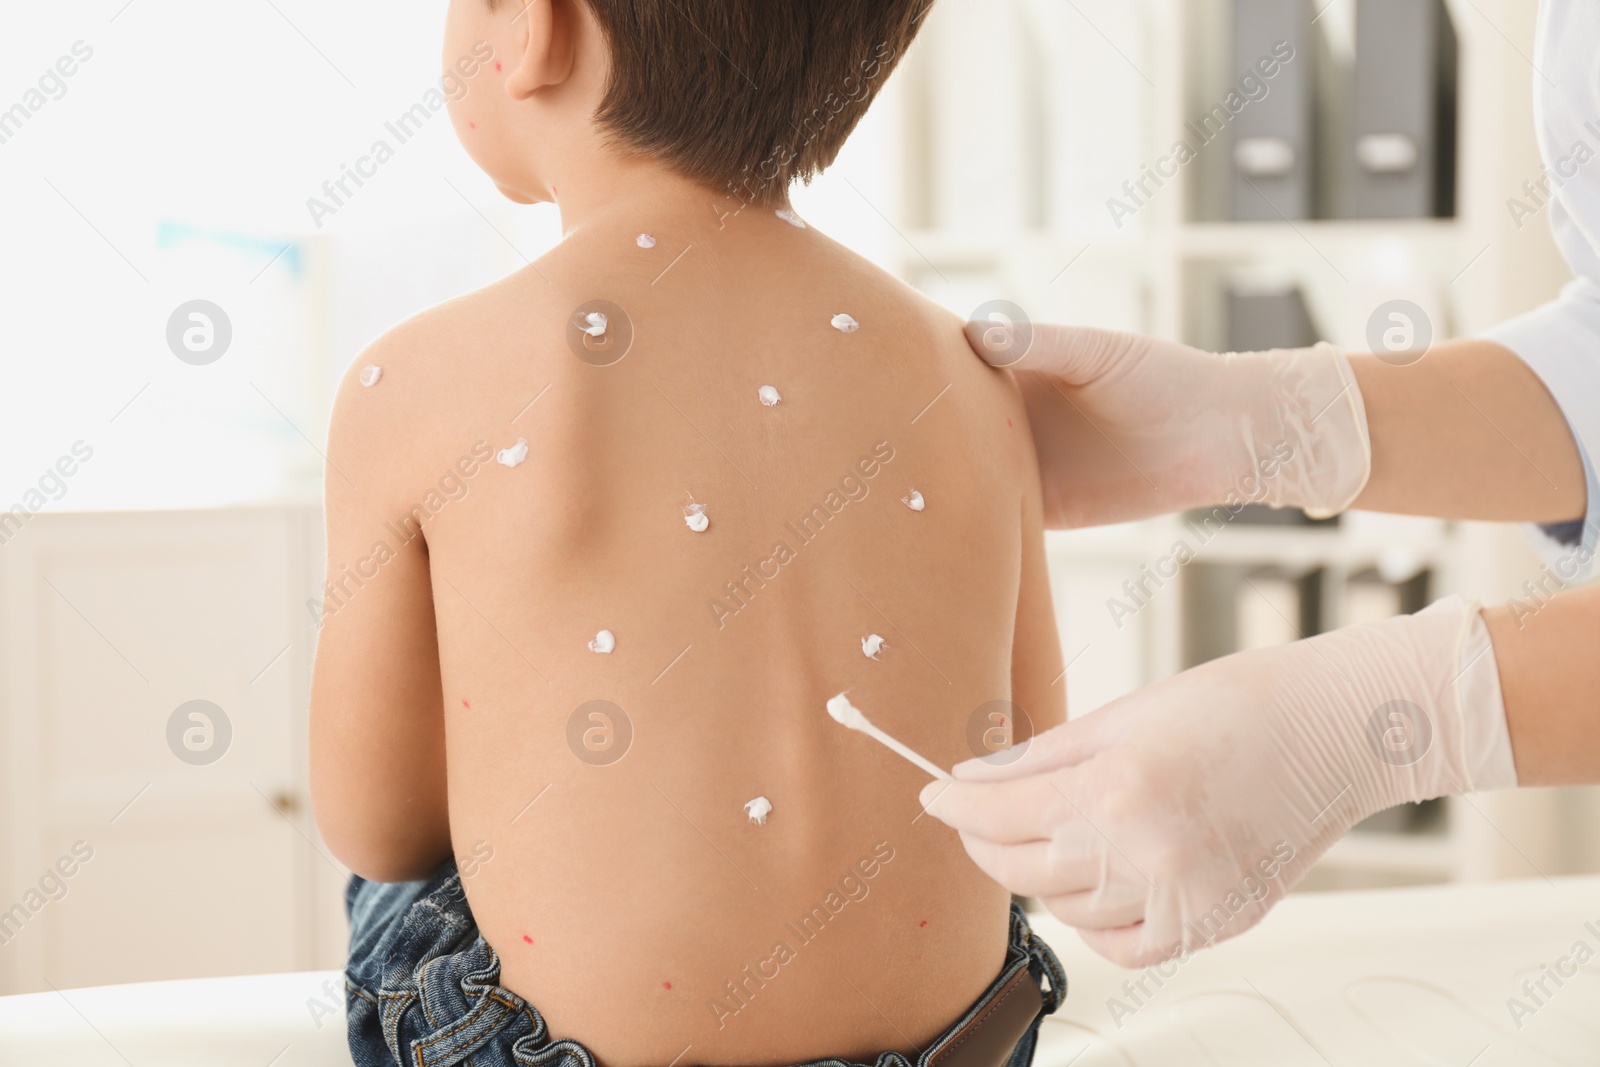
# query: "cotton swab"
{"points": [[847, 714]]}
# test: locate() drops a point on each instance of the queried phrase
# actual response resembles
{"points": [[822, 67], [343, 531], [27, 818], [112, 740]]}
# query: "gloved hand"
{"points": [[1178, 815], [1127, 427]]}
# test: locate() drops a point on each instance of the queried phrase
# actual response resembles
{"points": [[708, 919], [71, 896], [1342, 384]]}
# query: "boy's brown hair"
{"points": [[747, 96]]}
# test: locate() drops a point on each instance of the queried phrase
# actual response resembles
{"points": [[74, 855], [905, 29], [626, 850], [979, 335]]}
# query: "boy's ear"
{"points": [[545, 30]]}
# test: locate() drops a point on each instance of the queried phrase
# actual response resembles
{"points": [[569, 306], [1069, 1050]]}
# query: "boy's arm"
{"points": [[377, 716], [1038, 685], [1550, 682]]}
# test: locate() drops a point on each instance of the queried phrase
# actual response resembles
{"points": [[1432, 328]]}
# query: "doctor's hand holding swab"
{"points": [[1178, 815]]}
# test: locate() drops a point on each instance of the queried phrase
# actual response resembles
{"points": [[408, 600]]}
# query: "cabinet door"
{"points": [[155, 667]]}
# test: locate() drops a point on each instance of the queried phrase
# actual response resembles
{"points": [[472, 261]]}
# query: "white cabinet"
{"points": [[189, 843]]}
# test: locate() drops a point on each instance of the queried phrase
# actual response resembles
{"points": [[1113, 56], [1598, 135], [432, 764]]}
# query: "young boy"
{"points": [[605, 537]]}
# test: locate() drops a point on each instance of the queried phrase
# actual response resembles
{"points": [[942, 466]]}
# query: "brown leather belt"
{"points": [[991, 1036]]}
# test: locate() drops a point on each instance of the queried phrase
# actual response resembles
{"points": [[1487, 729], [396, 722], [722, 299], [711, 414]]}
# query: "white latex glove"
{"points": [[1178, 815], [1128, 427]]}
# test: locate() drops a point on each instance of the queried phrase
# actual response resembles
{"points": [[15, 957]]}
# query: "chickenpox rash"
{"points": [[1008, 422], [466, 703], [499, 67], [921, 924], [527, 939], [515, 455], [667, 986]]}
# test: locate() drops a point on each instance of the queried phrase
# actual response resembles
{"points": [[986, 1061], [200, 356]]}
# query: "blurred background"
{"points": [[182, 282]]}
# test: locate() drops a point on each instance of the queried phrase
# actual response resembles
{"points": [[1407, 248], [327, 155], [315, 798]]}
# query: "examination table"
{"points": [[1404, 977]]}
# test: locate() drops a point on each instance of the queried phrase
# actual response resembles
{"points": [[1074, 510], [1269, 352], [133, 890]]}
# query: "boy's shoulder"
{"points": [[428, 346], [421, 363], [417, 391]]}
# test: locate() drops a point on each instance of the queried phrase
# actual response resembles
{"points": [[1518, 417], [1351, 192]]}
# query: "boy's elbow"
{"points": [[401, 846], [397, 868], [389, 858]]}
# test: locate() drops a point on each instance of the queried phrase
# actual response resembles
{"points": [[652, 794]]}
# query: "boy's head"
{"points": [[742, 96]]}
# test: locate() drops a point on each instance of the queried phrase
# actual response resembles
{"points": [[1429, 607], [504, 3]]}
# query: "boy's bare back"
{"points": [[599, 801]]}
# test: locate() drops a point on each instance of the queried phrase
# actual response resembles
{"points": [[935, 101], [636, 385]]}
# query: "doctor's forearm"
{"points": [[1549, 664], [1468, 432]]}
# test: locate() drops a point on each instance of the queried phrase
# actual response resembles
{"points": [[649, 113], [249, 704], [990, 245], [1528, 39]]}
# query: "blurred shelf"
{"points": [[1198, 240], [977, 248], [1428, 238], [1296, 548], [1290, 547]]}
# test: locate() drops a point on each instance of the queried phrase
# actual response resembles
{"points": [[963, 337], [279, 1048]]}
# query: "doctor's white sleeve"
{"points": [[1561, 342]]}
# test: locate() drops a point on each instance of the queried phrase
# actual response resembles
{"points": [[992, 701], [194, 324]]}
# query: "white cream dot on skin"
{"points": [[695, 517], [872, 646], [758, 810], [845, 324], [791, 218], [646, 241], [370, 375], [605, 642], [914, 501], [594, 324], [769, 396], [513, 456]]}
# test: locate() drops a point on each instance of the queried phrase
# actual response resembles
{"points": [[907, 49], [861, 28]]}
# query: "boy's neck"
{"points": [[633, 188]]}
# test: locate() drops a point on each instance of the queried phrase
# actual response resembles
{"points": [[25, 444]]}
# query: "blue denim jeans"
{"points": [[422, 989]]}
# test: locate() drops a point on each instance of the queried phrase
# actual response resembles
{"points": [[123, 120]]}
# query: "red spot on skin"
{"points": [[923, 923], [472, 125], [667, 986], [498, 67], [528, 939], [1008, 422], [466, 703]]}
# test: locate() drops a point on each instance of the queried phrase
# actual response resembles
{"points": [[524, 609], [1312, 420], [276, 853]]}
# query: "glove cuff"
{"points": [[1486, 739], [1435, 733], [1399, 711], [1323, 417]]}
